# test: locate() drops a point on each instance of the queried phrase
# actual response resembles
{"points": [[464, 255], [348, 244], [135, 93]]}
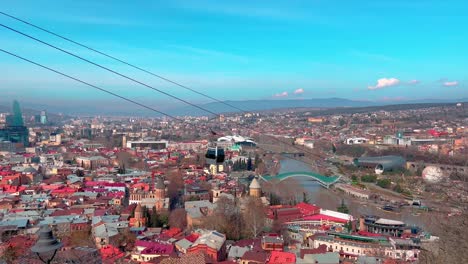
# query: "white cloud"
{"points": [[299, 91], [413, 82], [450, 83], [384, 82], [283, 94]]}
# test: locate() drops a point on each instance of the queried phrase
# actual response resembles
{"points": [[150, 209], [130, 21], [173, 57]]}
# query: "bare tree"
{"points": [[452, 245], [81, 239], [125, 240], [178, 218], [253, 217], [226, 218], [176, 182]]}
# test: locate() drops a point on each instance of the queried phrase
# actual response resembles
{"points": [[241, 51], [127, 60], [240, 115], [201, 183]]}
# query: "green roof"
{"points": [[319, 177], [358, 238], [236, 147]]}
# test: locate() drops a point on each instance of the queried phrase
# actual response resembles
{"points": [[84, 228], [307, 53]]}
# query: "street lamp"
{"points": [[46, 243]]}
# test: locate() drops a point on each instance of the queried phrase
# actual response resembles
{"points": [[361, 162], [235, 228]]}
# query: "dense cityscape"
{"points": [[290, 186], [233, 132]]}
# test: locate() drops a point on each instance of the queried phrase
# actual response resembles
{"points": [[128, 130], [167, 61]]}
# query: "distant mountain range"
{"points": [[262, 105], [216, 107], [326, 103]]}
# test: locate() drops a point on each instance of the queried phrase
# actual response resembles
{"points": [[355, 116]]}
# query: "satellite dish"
{"points": [[432, 174]]}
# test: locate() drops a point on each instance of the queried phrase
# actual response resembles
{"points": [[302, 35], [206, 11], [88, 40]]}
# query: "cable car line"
{"points": [[134, 80], [131, 65], [109, 70], [122, 61], [91, 85], [112, 93]]}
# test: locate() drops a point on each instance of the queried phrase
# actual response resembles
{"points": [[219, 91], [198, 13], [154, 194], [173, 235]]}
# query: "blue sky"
{"points": [[367, 50]]}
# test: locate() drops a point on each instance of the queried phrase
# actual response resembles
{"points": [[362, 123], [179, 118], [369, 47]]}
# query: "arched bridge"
{"points": [[325, 181]]}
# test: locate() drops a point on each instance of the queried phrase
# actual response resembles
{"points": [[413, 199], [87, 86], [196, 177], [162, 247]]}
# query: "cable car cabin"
{"points": [[214, 156]]}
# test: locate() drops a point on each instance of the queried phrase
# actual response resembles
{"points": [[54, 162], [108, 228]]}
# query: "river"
{"points": [[330, 199]]}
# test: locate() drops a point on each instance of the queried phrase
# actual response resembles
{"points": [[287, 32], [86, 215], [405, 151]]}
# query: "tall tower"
{"points": [[138, 211], [255, 190], [215, 193], [160, 189], [43, 118], [16, 119], [15, 130]]}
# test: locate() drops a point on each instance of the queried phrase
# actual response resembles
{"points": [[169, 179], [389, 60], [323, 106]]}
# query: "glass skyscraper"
{"points": [[15, 131]]}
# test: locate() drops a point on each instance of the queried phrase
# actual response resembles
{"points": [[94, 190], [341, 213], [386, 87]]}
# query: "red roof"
{"points": [[192, 237], [12, 189], [287, 211], [172, 232], [320, 250], [158, 248], [114, 184], [51, 186], [100, 212], [307, 209], [21, 241], [67, 212], [66, 190], [279, 257], [255, 243], [251, 256], [110, 254]]}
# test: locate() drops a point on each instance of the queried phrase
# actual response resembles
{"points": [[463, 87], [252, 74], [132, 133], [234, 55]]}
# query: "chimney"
{"points": [[362, 226]]}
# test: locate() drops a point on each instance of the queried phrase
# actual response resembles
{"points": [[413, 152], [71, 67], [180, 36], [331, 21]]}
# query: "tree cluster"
{"points": [[343, 208], [122, 169], [236, 220], [384, 183], [275, 199], [153, 218], [242, 165], [369, 178], [350, 150]]}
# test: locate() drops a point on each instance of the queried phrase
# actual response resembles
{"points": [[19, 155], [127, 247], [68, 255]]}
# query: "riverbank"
{"points": [[332, 198]]}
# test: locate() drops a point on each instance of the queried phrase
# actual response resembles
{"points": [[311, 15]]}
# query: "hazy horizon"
{"points": [[386, 51]]}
